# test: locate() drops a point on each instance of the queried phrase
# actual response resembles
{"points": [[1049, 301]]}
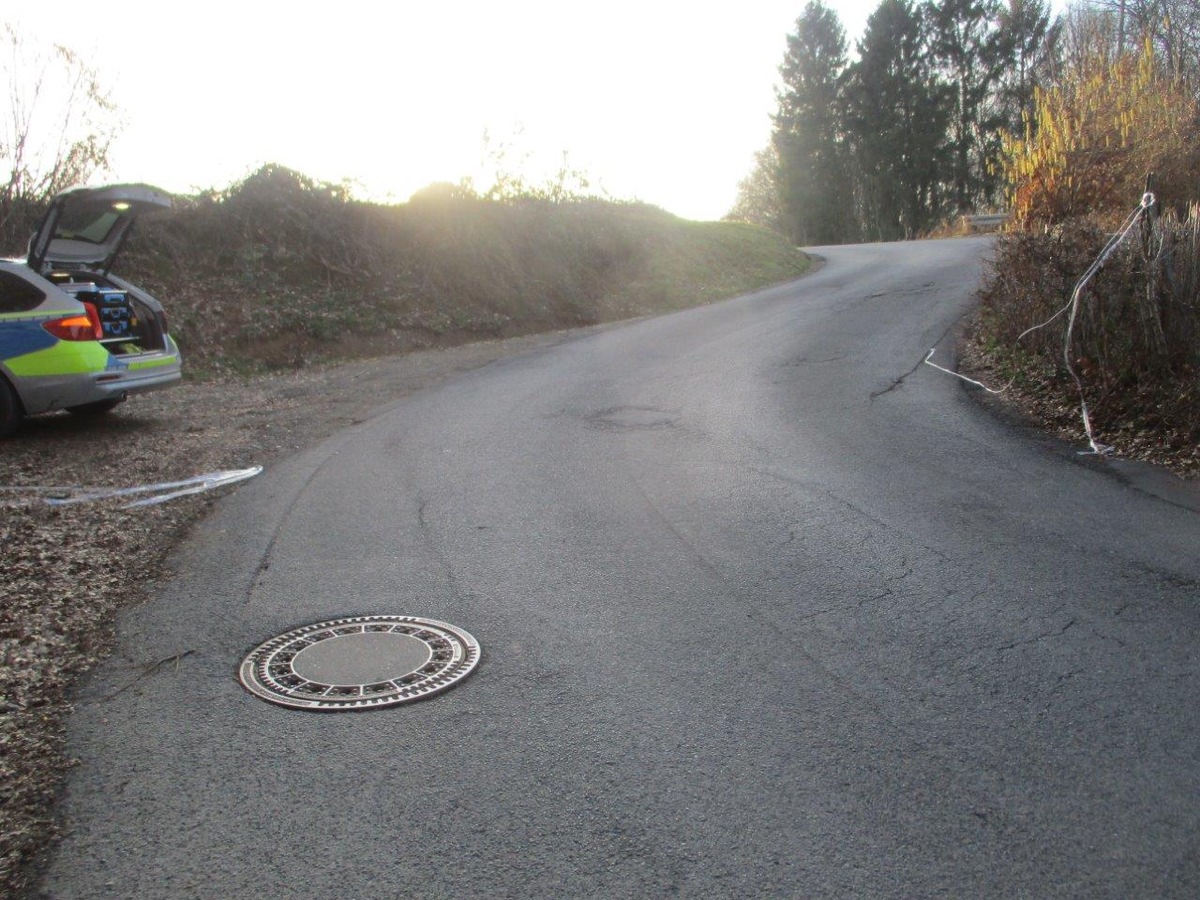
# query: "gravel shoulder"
{"points": [[69, 569]]}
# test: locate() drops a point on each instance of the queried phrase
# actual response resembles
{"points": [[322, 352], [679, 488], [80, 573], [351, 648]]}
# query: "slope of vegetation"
{"points": [[1087, 154], [280, 271]]}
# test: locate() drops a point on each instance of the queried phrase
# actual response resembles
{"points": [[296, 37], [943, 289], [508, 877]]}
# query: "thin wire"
{"points": [[964, 377], [1116, 241]]}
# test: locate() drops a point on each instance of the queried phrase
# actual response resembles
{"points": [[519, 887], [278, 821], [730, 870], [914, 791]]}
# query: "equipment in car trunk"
{"points": [[116, 315]]}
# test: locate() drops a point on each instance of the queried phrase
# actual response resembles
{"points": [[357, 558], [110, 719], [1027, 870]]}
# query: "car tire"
{"points": [[99, 408], [11, 413]]}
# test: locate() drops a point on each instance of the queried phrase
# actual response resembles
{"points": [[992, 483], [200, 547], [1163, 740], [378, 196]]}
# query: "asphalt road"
{"points": [[767, 609]]}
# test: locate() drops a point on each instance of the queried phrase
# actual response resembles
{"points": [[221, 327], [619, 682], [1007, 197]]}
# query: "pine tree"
{"points": [[1030, 40], [896, 120], [808, 138], [970, 49]]}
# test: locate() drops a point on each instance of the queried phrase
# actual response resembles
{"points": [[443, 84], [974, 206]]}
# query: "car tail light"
{"points": [[77, 328]]}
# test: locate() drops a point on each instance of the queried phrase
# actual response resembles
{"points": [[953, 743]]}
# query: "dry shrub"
{"points": [[1082, 165], [1093, 139], [1136, 342], [275, 219]]}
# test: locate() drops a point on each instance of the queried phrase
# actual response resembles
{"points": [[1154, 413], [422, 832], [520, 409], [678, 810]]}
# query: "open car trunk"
{"points": [[132, 322], [75, 247], [84, 228]]}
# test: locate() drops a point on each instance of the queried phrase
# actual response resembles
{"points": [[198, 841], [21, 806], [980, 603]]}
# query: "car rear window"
{"points": [[86, 225], [17, 294]]}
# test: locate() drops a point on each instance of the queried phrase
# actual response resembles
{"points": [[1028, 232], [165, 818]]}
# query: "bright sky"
{"points": [[664, 102]]}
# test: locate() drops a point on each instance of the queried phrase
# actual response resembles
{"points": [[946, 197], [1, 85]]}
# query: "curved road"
{"points": [[767, 608]]}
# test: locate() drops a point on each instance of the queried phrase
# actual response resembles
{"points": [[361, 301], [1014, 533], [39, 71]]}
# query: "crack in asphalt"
{"points": [[898, 382], [268, 553], [1036, 638], [920, 362], [149, 669], [431, 541], [888, 591]]}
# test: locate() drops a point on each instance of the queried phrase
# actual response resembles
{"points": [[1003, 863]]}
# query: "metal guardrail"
{"points": [[985, 221]]}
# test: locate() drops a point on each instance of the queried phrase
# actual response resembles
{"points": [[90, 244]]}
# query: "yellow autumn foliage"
{"points": [[1093, 139]]}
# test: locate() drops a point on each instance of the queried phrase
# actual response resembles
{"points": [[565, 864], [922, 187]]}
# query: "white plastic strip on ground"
{"points": [[934, 365], [158, 493], [1073, 305]]}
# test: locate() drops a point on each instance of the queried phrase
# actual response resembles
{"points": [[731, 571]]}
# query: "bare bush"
{"points": [[56, 131], [1136, 343]]}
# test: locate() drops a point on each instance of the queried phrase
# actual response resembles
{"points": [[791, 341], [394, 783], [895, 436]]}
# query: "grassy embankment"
{"points": [[280, 272]]}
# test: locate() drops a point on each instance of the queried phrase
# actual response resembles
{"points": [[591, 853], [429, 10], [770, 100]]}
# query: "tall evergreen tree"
{"points": [[885, 147], [896, 119], [1030, 39], [969, 48], [808, 130]]}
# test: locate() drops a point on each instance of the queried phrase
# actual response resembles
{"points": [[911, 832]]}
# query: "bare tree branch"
{"points": [[60, 123]]}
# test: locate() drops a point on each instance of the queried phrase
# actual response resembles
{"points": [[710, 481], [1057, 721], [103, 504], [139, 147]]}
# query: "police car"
{"points": [[74, 336]]}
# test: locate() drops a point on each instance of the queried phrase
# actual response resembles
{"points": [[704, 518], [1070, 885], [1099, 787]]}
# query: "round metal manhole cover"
{"points": [[364, 662]]}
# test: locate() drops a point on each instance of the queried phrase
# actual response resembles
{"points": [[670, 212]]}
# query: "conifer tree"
{"points": [[896, 120], [970, 49], [808, 135], [1030, 39]]}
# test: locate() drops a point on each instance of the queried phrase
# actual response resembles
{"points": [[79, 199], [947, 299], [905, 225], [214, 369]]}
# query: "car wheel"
{"points": [[10, 408], [99, 408]]}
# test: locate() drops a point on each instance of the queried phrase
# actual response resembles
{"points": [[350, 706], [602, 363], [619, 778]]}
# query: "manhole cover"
{"points": [[363, 662]]}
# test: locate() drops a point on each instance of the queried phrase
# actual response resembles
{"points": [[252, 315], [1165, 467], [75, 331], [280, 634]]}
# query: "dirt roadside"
{"points": [[67, 570]]}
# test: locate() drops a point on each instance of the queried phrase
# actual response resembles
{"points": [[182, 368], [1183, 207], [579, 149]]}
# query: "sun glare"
{"points": [[664, 103]]}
